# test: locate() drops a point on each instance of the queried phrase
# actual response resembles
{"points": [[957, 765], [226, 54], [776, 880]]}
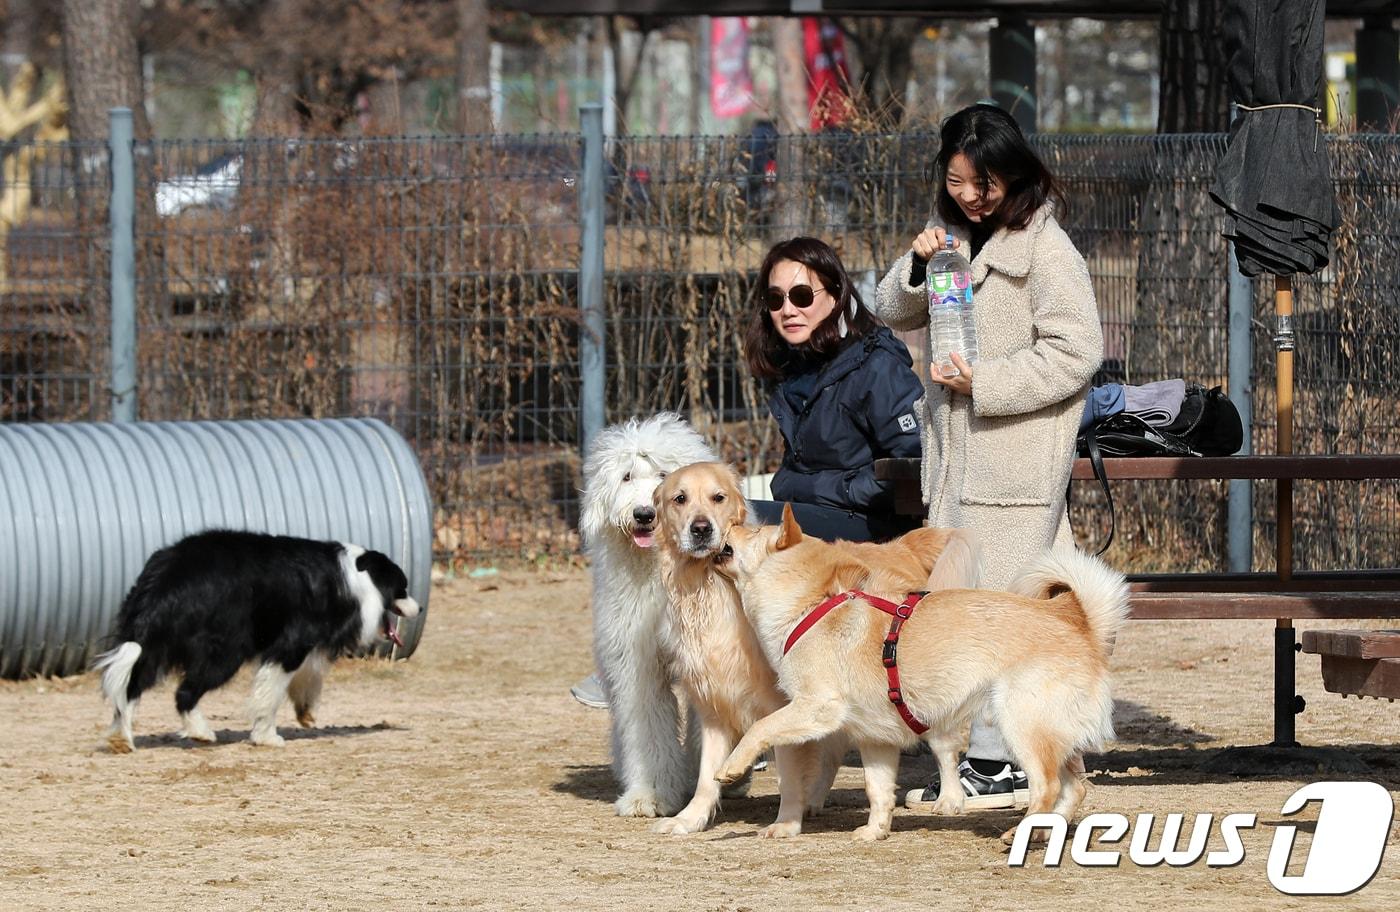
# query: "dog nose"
{"points": [[644, 515], [701, 529]]}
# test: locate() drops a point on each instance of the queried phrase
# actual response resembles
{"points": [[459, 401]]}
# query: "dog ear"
{"points": [[792, 532], [736, 494], [362, 561]]}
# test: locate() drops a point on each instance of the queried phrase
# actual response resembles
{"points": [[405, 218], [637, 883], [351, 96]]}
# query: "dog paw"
{"points": [[119, 745], [305, 719], [869, 833], [678, 826], [205, 735], [1039, 836], [272, 740], [948, 807], [784, 830], [638, 804], [731, 773]]}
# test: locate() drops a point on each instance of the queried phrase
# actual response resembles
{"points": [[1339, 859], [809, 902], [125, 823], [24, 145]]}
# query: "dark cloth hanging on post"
{"points": [[1274, 181]]}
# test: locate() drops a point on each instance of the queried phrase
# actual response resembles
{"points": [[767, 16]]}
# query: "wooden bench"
{"points": [[1281, 596], [1361, 662]]}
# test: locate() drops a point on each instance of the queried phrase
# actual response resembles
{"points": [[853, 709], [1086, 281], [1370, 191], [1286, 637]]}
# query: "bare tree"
{"points": [[1194, 87], [885, 52], [793, 119], [793, 114], [473, 67], [103, 64], [313, 59], [627, 67], [1171, 273]]}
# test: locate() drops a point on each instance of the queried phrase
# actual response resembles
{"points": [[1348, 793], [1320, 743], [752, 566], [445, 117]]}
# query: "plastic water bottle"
{"points": [[950, 324]]}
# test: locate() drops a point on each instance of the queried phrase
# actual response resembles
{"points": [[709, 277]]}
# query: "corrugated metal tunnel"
{"points": [[83, 505]]}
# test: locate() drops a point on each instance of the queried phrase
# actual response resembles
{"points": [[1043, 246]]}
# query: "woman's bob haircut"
{"points": [[995, 147]]}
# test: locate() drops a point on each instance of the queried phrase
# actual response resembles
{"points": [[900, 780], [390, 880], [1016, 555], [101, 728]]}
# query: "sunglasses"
{"points": [[801, 296]]}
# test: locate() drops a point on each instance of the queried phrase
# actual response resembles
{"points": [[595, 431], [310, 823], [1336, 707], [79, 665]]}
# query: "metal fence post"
{"points": [[123, 269], [592, 326], [1239, 509]]}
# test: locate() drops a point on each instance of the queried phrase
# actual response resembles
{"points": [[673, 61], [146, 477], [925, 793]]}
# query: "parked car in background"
{"points": [[213, 184]]}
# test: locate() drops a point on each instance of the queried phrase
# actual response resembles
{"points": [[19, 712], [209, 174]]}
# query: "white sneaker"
{"points": [[590, 692]]}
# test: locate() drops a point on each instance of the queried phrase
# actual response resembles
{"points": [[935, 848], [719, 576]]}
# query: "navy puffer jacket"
{"points": [[861, 408]]}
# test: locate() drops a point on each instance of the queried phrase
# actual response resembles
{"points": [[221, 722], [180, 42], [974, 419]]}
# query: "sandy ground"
{"points": [[467, 778]]}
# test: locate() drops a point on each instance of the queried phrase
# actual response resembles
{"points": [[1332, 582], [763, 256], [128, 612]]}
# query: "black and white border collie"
{"points": [[218, 600]]}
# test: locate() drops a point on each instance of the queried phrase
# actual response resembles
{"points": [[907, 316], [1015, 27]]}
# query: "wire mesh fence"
{"points": [[433, 283]]}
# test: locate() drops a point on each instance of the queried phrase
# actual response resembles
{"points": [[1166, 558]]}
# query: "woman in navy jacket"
{"points": [[844, 397]]}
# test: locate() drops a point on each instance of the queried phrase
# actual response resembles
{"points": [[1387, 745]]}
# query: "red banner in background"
{"points": [[731, 85], [827, 75]]}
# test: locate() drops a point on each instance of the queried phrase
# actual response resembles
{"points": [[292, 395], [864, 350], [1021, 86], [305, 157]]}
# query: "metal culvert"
{"points": [[83, 505]]}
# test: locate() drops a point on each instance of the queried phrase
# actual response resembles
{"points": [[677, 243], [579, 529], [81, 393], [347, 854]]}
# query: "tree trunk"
{"points": [[793, 120], [473, 67], [1179, 258], [627, 67], [1194, 89], [104, 65]]}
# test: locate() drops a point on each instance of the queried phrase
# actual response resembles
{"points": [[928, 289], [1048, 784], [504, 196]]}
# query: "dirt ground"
{"points": [[466, 777]]}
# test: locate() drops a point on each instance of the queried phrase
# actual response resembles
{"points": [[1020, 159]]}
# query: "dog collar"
{"points": [[889, 657]]}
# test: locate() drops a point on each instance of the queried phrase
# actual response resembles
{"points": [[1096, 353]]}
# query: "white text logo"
{"points": [[1353, 823]]}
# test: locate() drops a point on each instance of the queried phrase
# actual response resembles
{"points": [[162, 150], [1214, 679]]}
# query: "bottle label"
{"points": [[948, 289]]}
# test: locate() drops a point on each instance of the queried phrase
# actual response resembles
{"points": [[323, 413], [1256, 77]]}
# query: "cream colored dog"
{"points": [[1038, 656], [720, 662]]}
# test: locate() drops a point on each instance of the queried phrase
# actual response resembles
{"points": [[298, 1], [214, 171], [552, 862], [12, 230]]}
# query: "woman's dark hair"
{"points": [[768, 354], [994, 145]]}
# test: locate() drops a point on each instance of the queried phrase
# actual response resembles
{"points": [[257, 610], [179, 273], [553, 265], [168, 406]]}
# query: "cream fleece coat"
{"points": [[999, 462]]}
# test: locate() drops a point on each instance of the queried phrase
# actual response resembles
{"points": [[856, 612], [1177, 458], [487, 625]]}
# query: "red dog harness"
{"points": [[890, 658]]}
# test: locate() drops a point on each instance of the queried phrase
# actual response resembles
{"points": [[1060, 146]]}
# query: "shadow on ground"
{"points": [[229, 736], [1127, 766]]}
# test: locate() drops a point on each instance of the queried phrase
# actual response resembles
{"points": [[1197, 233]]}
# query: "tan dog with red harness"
{"points": [[718, 659], [1038, 656]]}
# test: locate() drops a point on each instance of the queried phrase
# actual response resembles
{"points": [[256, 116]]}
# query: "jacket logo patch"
{"points": [[906, 422]]}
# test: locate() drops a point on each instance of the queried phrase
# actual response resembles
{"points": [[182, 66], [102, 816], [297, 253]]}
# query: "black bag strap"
{"points": [[1091, 443]]}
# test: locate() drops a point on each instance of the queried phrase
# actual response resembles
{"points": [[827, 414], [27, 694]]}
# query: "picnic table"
{"points": [[1282, 596]]}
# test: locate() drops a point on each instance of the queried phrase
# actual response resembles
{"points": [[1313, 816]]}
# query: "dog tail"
{"points": [[1102, 592], [116, 666], [959, 564]]}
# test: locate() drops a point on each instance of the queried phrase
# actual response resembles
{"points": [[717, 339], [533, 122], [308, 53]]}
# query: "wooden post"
{"points": [[1283, 340], [1285, 694]]}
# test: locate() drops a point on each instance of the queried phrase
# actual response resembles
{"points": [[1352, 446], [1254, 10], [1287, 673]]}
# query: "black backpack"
{"points": [[1208, 424]]}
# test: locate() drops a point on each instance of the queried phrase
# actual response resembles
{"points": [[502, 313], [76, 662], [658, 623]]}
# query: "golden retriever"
{"points": [[1037, 655], [719, 660]]}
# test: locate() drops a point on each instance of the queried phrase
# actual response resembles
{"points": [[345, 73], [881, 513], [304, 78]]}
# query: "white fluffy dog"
{"points": [[622, 469]]}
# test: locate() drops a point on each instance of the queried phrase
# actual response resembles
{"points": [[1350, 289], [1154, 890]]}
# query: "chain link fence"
{"points": [[433, 283]]}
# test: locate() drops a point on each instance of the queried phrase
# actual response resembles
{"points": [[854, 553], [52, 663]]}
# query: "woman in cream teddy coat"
{"points": [[998, 460], [999, 438]]}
